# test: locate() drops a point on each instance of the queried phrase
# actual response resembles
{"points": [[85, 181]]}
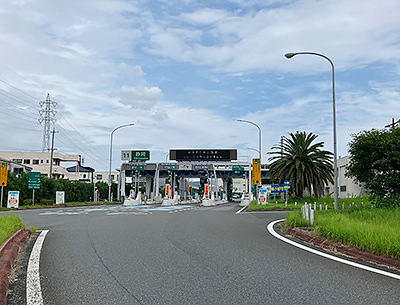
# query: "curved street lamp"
{"points": [[109, 173], [335, 170], [259, 135]]}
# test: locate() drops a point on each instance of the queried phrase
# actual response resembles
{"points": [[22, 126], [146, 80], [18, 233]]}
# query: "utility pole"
{"points": [[393, 124], [52, 150], [47, 116]]}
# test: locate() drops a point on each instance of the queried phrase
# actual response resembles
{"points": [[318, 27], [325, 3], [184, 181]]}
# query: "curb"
{"points": [[351, 251], [8, 253]]}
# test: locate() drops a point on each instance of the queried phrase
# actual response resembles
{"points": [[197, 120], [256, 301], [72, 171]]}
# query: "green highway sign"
{"points": [[140, 155], [238, 168], [34, 180]]}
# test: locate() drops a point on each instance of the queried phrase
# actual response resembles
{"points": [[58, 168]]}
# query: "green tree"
{"points": [[302, 162], [375, 160]]}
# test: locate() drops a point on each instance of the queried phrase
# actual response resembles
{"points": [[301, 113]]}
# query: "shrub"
{"points": [[46, 201]]}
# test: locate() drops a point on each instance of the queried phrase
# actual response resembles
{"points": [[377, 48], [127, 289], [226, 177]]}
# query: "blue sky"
{"points": [[184, 71]]}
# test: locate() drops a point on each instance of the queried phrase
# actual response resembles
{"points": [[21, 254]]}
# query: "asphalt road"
{"points": [[208, 255]]}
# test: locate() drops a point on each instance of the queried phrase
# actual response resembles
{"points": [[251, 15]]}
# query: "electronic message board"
{"points": [[203, 154]]}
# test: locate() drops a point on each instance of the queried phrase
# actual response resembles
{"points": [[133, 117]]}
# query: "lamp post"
{"points": [[259, 148], [259, 135], [335, 170], [109, 173]]}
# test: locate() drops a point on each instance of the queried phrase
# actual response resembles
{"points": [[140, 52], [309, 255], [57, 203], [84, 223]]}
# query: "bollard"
{"points": [[343, 206], [326, 207], [315, 205], [312, 217], [307, 213], [285, 203], [320, 207], [276, 203], [295, 204]]}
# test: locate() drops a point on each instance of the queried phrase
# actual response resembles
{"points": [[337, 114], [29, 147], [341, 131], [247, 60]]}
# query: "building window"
{"points": [[84, 176], [342, 188], [99, 177], [27, 161], [47, 161], [112, 177], [41, 161], [17, 160], [35, 161], [18, 170]]}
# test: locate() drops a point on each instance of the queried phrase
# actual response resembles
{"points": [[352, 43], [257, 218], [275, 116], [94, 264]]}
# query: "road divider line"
{"points": [[33, 288], [271, 230], [241, 210]]}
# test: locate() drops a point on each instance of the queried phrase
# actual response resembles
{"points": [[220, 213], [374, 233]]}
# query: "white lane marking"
{"points": [[241, 210], [33, 289], [338, 259]]}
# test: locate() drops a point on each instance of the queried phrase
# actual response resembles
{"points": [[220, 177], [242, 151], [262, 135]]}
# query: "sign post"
{"points": [[256, 175], [34, 183], [3, 178]]}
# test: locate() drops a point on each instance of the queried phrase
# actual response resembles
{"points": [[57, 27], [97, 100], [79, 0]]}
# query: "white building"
{"points": [[103, 177], [17, 168], [348, 187], [40, 162]]}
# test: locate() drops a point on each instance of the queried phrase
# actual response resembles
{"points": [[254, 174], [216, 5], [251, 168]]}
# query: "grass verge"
{"points": [[376, 230], [8, 225], [324, 201]]}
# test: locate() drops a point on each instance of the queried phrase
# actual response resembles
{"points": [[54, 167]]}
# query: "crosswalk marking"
{"points": [[118, 210]]}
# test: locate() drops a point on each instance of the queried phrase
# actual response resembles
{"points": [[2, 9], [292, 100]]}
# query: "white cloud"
{"points": [[138, 97]]}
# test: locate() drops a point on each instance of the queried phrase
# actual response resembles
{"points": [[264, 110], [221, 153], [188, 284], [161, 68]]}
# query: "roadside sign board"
{"points": [[256, 173], [13, 199], [140, 155], [34, 180], [3, 173], [286, 182], [60, 197], [277, 189]]}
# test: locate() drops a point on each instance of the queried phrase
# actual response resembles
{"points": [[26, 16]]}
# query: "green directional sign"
{"points": [[238, 168], [34, 180], [140, 155]]}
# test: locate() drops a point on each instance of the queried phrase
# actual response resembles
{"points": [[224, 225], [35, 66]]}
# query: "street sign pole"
{"points": [[33, 197], [2, 196]]}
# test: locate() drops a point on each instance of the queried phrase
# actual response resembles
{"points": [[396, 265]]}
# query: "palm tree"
{"points": [[302, 162]]}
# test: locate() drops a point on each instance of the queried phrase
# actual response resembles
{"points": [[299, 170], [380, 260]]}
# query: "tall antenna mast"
{"points": [[48, 116]]}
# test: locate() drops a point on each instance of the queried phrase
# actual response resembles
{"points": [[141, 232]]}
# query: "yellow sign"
{"points": [[3, 173], [256, 173]]}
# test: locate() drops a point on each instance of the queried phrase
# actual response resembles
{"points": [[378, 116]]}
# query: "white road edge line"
{"points": [[338, 259], [33, 289], [241, 210]]}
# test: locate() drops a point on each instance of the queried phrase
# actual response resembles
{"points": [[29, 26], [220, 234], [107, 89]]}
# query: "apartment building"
{"points": [[40, 162]]}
